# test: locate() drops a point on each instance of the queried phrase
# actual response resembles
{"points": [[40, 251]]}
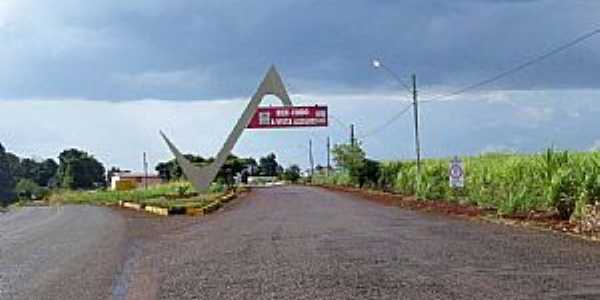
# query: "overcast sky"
{"points": [[107, 75]]}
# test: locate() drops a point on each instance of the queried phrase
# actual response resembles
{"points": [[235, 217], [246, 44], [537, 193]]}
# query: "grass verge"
{"points": [[174, 195]]}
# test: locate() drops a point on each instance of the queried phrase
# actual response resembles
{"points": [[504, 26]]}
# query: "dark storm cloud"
{"points": [[183, 49]]}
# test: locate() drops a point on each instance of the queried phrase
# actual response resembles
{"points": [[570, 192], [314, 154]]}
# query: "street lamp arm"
{"points": [[378, 64]]}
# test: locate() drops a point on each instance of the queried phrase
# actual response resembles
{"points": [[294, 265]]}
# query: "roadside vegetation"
{"points": [[77, 177], [169, 195], [554, 181], [26, 179]]}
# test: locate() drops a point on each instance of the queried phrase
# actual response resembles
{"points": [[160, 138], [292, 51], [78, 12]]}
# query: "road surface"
{"points": [[69, 252], [308, 243]]}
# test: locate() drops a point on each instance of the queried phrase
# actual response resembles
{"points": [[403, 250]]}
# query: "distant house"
{"points": [[127, 180]]}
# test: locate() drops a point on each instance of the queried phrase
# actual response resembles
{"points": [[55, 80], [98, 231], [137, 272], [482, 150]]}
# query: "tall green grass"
{"points": [[510, 183]]}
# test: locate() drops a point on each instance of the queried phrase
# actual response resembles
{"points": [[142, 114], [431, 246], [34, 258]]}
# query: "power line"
{"points": [[340, 129], [518, 68], [497, 77], [388, 122], [338, 121]]}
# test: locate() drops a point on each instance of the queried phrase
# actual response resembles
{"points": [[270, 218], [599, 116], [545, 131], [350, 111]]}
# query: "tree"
{"points": [[268, 166], [14, 164], [79, 170], [46, 173], [353, 159], [164, 170], [41, 173], [171, 170], [7, 181], [292, 173], [250, 165], [349, 157], [29, 168], [232, 167]]}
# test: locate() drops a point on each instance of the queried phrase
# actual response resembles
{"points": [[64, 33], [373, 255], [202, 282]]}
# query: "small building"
{"points": [[261, 180], [123, 181]]}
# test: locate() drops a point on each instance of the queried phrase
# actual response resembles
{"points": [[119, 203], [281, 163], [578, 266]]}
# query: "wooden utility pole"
{"points": [[328, 157], [416, 113], [145, 172], [310, 159], [352, 139]]}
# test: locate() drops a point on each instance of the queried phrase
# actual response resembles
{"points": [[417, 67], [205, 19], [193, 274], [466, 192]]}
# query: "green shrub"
{"points": [[216, 188], [389, 171], [369, 173], [291, 174], [27, 189]]}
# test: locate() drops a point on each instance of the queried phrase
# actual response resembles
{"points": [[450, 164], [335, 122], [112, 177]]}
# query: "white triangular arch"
{"points": [[201, 177]]}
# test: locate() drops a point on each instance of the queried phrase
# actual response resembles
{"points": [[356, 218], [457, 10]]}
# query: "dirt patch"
{"points": [[539, 220], [444, 207]]}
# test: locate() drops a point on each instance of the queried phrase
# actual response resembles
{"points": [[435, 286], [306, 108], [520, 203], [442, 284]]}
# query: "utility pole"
{"points": [[352, 140], [145, 172], [416, 113], [328, 157], [310, 159], [378, 64]]}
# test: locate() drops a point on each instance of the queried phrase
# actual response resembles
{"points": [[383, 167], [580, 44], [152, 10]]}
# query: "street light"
{"points": [[379, 65]]}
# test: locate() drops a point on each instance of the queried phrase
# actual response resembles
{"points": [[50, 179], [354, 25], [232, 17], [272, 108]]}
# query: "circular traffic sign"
{"points": [[456, 171]]}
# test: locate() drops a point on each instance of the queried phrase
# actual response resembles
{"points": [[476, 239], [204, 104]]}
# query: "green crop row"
{"points": [[510, 183]]}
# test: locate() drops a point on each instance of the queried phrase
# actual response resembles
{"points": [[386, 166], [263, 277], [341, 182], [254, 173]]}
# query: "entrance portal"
{"points": [[201, 177]]}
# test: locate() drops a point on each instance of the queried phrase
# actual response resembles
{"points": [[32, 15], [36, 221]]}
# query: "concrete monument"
{"points": [[201, 177]]}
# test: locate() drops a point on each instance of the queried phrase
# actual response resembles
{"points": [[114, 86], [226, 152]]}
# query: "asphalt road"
{"points": [[290, 243], [70, 252], [307, 243]]}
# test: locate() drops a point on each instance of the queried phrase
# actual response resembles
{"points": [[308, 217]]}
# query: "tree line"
{"points": [[233, 166], [27, 178]]}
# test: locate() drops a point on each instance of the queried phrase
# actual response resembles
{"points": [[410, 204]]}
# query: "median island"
{"points": [[164, 199]]}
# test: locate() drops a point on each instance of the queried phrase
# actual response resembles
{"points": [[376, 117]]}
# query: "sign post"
{"points": [[456, 173]]}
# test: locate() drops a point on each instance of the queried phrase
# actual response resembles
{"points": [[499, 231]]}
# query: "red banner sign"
{"points": [[291, 116]]}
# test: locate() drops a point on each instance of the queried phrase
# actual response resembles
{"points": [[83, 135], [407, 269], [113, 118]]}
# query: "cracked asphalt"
{"points": [[308, 243]]}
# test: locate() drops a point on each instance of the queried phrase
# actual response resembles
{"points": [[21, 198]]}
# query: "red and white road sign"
{"points": [[289, 116]]}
